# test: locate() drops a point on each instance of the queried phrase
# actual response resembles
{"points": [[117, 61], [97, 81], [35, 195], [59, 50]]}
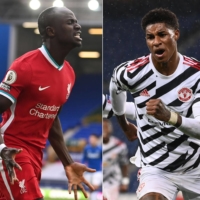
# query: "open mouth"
{"points": [[159, 52], [78, 36]]}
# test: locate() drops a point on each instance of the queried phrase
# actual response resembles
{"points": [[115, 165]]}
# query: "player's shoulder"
{"points": [[68, 67], [67, 64], [24, 62], [136, 63], [191, 62], [28, 56]]}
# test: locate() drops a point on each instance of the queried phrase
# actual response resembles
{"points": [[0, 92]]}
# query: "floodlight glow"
{"points": [[89, 54], [58, 3], [95, 31], [30, 24], [93, 5], [34, 4], [36, 31]]}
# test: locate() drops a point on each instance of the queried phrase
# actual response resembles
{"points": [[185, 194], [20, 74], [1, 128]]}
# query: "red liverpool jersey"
{"points": [[38, 87]]}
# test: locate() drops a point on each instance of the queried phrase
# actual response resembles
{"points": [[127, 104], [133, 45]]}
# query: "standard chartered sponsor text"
{"points": [[37, 111]]}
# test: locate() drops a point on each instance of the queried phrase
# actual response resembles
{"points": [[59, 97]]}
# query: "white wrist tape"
{"points": [[125, 181], [173, 118], [1, 147]]}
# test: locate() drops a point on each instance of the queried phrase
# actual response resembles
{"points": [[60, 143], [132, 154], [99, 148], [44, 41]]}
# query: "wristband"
{"points": [[2, 146], [173, 118], [125, 181]]}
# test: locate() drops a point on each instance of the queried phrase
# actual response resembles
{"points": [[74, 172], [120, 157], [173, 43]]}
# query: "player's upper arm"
{"points": [[16, 79], [5, 103]]}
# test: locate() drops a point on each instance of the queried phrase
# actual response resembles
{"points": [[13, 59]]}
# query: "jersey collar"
{"points": [[177, 71], [47, 55]]}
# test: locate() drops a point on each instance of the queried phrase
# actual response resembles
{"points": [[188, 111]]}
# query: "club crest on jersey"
{"points": [[11, 77], [68, 90], [22, 186], [185, 94]]}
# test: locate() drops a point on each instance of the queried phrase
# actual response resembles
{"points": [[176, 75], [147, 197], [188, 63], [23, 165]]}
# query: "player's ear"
{"points": [[50, 31], [177, 34]]}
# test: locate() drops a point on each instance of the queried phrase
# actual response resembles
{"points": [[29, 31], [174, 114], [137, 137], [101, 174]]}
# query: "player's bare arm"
{"points": [[74, 171], [8, 154], [128, 128]]}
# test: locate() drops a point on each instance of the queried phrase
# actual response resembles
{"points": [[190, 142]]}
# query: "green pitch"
{"points": [[58, 194]]}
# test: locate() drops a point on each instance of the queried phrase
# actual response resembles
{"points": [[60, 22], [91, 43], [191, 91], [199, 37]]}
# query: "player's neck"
{"points": [[169, 67], [57, 52]]}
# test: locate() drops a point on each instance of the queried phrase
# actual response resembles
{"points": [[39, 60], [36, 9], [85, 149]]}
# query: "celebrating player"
{"points": [[166, 90], [31, 95]]}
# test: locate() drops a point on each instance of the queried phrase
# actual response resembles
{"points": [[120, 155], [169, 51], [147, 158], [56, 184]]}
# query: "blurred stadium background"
{"points": [[82, 114], [123, 40]]}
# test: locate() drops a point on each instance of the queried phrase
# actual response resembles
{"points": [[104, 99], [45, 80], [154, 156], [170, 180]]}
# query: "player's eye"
{"points": [[71, 21], [149, 37]]}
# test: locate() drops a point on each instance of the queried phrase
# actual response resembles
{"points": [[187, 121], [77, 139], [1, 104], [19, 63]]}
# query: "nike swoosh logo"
{"points": [[43, 88]]}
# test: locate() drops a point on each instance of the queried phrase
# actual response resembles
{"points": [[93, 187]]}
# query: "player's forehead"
{"points": [[65, 14], [157, 27]]}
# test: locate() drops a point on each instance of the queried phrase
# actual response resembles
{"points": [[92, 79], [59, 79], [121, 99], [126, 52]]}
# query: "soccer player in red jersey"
{"points": [[31, 95]]}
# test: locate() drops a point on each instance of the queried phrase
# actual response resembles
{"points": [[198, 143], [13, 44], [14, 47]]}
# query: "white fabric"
{"points": [[190, 127], [161, 144], [130, 110], [1, 147], [108, 107], [118, 99], [95, 178], [155, 180], [196, 111]]}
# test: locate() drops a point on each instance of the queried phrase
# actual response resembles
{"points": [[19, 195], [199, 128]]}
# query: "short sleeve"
{"points": [[16, 79], [118, 77]]}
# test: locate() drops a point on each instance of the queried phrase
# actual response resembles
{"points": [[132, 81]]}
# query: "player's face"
{"points": [[161, 41], [67, 29], [93, 140]]}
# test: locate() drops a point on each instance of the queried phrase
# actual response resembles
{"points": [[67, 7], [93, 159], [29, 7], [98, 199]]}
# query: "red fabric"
{"points": [[39, 90], [29, 177]]}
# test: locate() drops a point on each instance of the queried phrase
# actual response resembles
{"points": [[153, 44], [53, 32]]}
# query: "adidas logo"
{"points": [[144, 93]]}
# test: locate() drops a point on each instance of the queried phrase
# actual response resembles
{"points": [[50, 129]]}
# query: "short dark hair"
{"points": [[160, 15], [45, 19]]}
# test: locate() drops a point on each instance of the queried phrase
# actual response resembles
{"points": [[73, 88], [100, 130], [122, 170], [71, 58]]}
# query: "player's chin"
{"points": [[78, 44]]}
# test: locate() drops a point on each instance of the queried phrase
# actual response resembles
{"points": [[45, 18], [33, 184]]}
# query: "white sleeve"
{"points": [[118, 99], [108, 111], [190, 126], [130, 110], [107, 107]]}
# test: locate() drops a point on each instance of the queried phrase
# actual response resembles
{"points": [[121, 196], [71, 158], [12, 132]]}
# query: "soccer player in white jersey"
{"points": [[115, 163], [165, 86]]}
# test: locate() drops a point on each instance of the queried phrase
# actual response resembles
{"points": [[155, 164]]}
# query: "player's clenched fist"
{"points": [[156, 108]]}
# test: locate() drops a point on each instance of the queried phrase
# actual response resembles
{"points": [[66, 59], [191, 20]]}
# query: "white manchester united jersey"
{"points": [[161, 144], [114, 155]]}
